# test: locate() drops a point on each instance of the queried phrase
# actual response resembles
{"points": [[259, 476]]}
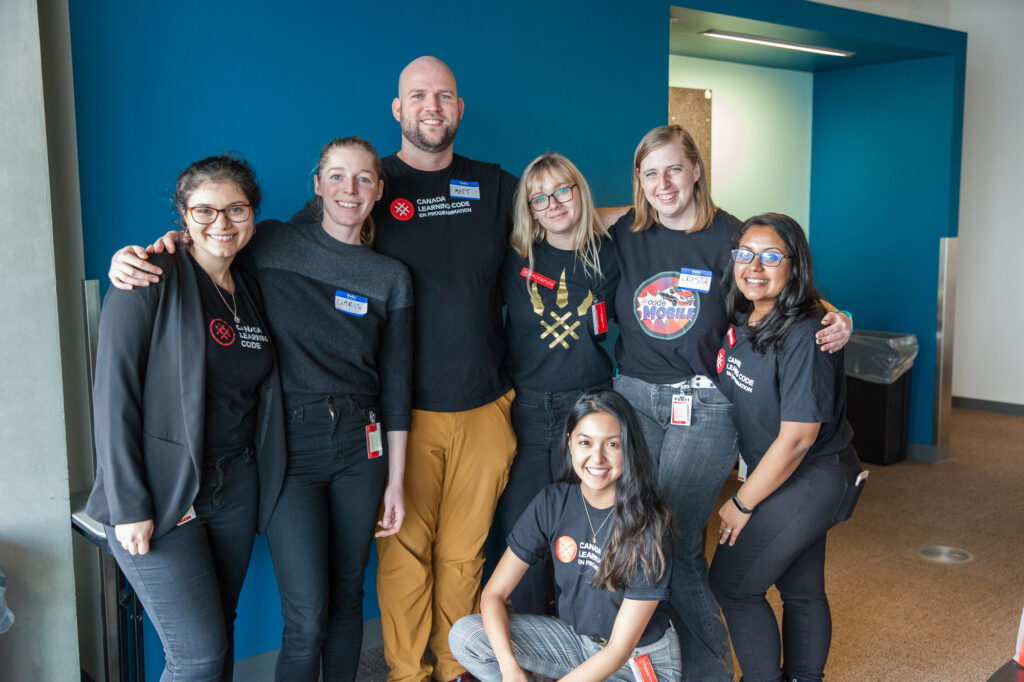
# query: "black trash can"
{"points": [[878, 393]]}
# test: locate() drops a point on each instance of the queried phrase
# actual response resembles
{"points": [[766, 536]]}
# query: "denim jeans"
{"points": [[693, 463], [539, 422], [190, 579], [783, 544], [320, 535], [550, 647]]}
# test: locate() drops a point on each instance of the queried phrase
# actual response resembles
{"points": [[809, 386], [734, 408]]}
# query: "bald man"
{"points": [[447, 218]]}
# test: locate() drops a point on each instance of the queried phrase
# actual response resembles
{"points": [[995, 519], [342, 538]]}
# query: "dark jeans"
{"points": [[693, 463], [783, 544], [320, 536], [190, 579], [539, 422]]}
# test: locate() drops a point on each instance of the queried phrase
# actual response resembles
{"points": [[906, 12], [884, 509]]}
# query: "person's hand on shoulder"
{"points": [[838, 327], [130, 266]]}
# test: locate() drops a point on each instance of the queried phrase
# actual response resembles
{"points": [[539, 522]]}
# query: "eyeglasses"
{"points": [[562, 195], [769, 259], [205, 215]]}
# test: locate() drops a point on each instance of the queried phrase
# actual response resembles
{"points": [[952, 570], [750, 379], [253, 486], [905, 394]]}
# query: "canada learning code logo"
{"points": [[565, 549], [663, 308]]}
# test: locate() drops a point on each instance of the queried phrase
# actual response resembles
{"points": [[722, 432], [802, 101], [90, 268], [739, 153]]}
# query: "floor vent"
{"points": [[945, 555]]}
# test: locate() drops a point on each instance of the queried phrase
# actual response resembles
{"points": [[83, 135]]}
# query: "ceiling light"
{"points": [[757, 40]]}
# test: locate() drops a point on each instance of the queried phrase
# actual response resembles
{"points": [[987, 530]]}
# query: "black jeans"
{"points": [[320, 535], [783, 544], [539, 422], [190, 579]]}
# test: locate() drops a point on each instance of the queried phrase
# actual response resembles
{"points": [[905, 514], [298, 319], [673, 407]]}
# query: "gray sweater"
{"points": [[340, 317]]}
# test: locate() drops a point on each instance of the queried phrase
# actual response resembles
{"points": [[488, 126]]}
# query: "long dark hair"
{"points": [[798, 300], [640, 519]]}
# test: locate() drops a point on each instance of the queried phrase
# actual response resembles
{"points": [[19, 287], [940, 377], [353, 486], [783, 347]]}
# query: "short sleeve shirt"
{"points": [[555, 524]]}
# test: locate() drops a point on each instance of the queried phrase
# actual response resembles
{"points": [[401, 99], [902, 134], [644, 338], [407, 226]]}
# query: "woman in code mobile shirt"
{"points": [[673, 250], [559, 271], [188, 424], [608, 533], [789, 406]]}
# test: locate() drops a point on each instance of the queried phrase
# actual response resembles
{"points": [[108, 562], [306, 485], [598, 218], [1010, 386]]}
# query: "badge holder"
{"points": [[682, 407], [374, 446]]}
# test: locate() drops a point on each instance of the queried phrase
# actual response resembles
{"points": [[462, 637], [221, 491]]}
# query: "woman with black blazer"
{"points": [[189, 425]]}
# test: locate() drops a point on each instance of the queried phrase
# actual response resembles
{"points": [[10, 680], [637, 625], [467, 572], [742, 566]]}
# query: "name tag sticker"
{"points": [[538, 278], [350, 304], [460, 189], [695, 280], [374, 448], [682, 404]]}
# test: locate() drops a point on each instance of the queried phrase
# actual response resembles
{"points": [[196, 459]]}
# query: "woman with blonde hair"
{"points": [[559, 272]]}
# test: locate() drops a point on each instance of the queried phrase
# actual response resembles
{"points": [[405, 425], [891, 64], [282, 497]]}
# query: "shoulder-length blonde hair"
{"points": [[527, 230], [644, 214]]}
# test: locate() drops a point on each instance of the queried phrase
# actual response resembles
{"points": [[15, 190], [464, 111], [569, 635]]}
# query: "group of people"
{"points": [[351, 370]]}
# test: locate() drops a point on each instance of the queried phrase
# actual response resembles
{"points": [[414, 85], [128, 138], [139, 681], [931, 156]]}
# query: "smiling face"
{"points": [[667, 177], [428, 105], [222, 239], [596, 449], [349, 185], [759, 284], [560, 221]]}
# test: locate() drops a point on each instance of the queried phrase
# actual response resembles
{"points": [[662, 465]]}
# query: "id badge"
{"points": [[599, 315], [642, 669], [374, 448], [682, 404], [189, 515], [741, 469]]}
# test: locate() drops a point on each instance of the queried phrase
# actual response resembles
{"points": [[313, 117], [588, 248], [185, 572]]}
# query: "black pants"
{"points": [[320, 537], [783, 544]]}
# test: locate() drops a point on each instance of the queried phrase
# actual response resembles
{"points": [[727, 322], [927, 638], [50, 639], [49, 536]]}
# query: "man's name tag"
{"points": [[350, 304], [460, 189], [374, 447], [695, 280], [682, 404]]}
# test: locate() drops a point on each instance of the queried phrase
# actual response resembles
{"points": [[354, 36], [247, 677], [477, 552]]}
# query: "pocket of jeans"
{"points": [[711, 397], [849, 502]]}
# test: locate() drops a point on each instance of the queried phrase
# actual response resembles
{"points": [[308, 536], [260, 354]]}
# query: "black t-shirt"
{"points": [[450, 228], [670, 303], [797, 383], [555, 524], [239, 357], [552, 344]]}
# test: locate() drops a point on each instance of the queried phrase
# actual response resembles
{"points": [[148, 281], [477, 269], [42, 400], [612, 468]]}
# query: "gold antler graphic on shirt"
{"points": [[560, 330]]}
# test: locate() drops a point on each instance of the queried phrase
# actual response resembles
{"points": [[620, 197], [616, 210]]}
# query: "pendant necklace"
{"points": [[234, 310], [593, 533]]}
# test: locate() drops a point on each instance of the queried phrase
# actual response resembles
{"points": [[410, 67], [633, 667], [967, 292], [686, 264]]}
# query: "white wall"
{"points": [[760, 134], [35, 534], [989, 325]]}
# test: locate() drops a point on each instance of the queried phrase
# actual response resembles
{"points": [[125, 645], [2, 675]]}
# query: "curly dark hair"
{"points": [[228, 167]]}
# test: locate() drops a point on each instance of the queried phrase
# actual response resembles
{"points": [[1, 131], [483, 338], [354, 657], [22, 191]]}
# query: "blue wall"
{"points": [[159, 85], [880, 188]]}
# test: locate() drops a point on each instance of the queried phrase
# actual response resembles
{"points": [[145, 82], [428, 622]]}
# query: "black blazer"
{"points": [[149, 398]]}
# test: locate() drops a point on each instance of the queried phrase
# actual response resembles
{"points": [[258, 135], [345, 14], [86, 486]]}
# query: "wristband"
{"points": [[847, 313], [736, 501]]}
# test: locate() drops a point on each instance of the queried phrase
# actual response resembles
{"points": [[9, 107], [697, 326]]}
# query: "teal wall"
{"points": [[880, 188], [760, 134]]}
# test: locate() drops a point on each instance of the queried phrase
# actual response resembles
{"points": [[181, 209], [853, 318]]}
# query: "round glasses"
{"points": [[562, 195], [236, 213], [769, 259]]}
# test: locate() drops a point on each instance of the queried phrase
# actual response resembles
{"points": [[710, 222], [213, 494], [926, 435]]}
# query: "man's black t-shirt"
{"points": [[797, 383], [670, 303], [555, 524], [552, 343], [450, 229], [239, 357]]}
